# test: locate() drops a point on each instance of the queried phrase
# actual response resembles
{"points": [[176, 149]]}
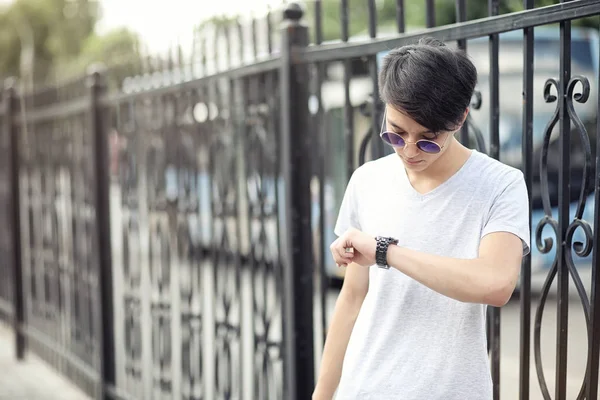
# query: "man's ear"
{"points": [[464, 119], [465, 115]]}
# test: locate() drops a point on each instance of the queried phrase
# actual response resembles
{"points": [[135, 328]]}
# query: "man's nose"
{"points": [[411, 150]]}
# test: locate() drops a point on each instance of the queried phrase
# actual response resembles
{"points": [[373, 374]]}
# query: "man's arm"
{"points": [[349, 302], [487, 279]]}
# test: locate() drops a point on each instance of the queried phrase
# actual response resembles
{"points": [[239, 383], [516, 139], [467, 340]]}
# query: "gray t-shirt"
{"points": [[410, 342]]}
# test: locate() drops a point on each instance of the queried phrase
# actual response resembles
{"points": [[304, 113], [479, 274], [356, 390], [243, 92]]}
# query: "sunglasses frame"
{"points": [[406, 142]]}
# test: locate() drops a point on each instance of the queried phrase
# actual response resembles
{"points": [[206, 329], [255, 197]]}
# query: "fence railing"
{"points": [[169, 239]]}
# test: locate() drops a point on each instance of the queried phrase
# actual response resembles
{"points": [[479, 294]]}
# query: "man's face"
{"points": [[410, 131]]}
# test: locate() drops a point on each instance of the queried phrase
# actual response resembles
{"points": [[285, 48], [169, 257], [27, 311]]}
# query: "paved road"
{"points": [[31, 379]]}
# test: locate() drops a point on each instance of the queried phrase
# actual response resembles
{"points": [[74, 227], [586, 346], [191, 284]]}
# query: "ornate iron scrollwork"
{"points": [[191, 305], [261, 148], [6, 240], [160, 307], [226, 263], [545, 245], [479, 139], [189, 255], [132, 304], [132, 287]]}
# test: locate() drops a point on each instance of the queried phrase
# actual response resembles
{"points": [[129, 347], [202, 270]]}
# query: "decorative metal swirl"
{"points": [[585, 140], [226, 263], [476, 101], [191, 315], [132, 304], [545, 245], [6, 241], [261, 146], [160, 281]]}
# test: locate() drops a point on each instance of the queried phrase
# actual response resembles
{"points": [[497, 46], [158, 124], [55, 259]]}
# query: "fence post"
{"points": [[296, 158], [98, 128], [10, 101]]}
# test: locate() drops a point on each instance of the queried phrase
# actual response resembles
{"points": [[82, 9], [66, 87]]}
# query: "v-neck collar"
{"points": [[433, 192]]}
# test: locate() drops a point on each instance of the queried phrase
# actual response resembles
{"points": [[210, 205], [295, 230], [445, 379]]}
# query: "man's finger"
{"points": [[342, 255], [339, 257]]}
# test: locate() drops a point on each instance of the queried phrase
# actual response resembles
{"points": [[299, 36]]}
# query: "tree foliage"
{"points": [[46, 39], [119, 46]]}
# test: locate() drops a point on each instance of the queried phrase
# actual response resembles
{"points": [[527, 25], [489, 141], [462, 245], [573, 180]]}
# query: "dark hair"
{"points": [[430, 82]]}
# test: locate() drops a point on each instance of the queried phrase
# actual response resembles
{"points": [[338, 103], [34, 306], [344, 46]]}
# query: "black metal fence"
{"points": [[169, 238]]}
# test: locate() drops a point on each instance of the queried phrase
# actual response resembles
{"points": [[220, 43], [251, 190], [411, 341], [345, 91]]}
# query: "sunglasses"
{"points": [[395, 140]]}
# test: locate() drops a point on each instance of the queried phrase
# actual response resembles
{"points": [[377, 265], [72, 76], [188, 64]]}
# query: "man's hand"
{"points": [[354, 246]]}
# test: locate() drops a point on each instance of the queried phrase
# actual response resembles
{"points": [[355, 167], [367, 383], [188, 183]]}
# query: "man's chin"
{"points": [[417, 166]]}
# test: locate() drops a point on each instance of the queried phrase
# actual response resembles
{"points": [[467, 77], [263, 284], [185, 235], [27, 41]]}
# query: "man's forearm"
{"points": [[468, 280], [338, 336]]}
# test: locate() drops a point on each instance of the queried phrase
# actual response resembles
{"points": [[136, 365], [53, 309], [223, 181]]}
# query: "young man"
{"points": [[430, 236]]}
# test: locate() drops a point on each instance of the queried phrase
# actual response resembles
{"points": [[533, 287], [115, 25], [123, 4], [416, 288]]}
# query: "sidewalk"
{"points": [[30, 379]]}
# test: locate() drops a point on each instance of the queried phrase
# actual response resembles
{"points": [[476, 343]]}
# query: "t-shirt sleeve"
{"points": [[348, 214], [510, 212]]}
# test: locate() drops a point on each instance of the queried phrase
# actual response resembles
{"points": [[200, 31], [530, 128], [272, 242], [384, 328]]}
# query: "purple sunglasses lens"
{"points": [[392, 139], [428, 147]]}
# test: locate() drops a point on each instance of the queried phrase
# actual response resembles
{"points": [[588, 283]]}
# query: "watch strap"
{"points": [[381, 250]]}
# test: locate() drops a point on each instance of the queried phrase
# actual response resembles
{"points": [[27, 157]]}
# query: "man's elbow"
{"points": [[499, 293]]}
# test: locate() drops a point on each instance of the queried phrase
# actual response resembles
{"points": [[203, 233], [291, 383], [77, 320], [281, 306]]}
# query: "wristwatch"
{"points": [[381, 250]]}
